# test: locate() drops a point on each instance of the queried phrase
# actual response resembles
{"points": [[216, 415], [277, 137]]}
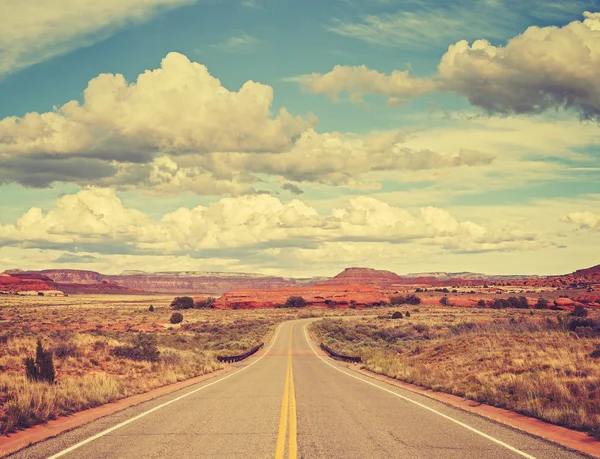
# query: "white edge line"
{"points": [[462, 424], [156, 408]]}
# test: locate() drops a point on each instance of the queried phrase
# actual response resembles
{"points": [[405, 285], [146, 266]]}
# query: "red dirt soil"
{"points": [[315, 295]]}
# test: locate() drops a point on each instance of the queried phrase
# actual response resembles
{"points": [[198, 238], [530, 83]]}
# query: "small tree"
{"points": [[330, 304], [176, 318], [514, 301], [579, 311], [151, 308], [397, 300], [444, 301], [481, 304], [182, 302], [352, 304], [413, 299], [295, 302], [542, 303], [407, 314], [42, 368], [524, 302], [205, 304]]}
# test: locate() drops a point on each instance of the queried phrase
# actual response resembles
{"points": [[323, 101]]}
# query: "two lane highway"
{"points": [[291, 401]]}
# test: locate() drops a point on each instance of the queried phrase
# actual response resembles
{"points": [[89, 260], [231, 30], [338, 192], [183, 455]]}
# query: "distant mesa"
{"points": [[20, 283], [248, 289], [365, 276], [134, 281]]}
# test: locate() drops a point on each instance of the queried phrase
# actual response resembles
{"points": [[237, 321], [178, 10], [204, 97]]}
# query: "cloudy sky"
{"points": [[300, 138]]}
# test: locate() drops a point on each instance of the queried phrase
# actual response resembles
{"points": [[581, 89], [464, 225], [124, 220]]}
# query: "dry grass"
{"points": [[83, 331], [534, 365]]}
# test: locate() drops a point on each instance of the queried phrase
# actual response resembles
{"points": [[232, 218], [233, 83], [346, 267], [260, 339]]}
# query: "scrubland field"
{"points": [[537, 362], [542, 363], [105, 347]]}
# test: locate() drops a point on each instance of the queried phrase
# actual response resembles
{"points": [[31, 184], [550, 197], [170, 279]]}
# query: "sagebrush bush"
{"points": [[295, 302], [143, 348], [413, 299], [182, 302], [65, 349], [205, 304], [579, 311], [176, 318], [542, 303]]}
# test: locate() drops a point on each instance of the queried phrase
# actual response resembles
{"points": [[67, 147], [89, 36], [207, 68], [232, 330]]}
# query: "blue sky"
{"points": [[404, 135]]}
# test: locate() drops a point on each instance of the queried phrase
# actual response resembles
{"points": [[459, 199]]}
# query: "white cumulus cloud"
{"points": [[96, 220], [35, 30]]}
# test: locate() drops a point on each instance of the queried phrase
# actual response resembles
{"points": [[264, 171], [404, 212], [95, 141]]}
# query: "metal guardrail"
{"points": [[335, 355], [237, 358]]}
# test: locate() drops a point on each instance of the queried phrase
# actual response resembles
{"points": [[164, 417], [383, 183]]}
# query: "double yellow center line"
{"points": [[288, 406]]}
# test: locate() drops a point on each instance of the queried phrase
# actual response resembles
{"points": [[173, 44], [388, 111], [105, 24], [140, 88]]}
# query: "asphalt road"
{"points": [[292, 402]]}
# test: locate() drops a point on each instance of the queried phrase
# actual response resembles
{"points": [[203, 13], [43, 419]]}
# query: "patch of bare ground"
{"points": [[539, 363]]}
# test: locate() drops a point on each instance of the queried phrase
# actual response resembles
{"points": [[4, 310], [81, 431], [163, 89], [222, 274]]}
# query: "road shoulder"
{"points": [[571, 439]]}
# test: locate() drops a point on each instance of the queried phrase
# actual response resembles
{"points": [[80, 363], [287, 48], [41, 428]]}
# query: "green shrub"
{"points": [[579, 311], [182, 302], [176, 318], [519, 303], [444, 301], [501, 303], [413, 299], [151, 308], [397, 300], [142, 348], [542, 303], [580, 322], [407, 314], [295, 302], [65, 349], [205, 304], [397, 315], [481, 304]]}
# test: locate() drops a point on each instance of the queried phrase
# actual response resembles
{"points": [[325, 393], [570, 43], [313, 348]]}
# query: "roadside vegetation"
{"points": [[95, 349], [63, 355], [540, 363]]}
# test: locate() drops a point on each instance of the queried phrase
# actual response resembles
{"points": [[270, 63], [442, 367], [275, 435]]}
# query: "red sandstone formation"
{"points": [[316, 295], [365, 276], [215, 283], [210, 283], [20, 282]]}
